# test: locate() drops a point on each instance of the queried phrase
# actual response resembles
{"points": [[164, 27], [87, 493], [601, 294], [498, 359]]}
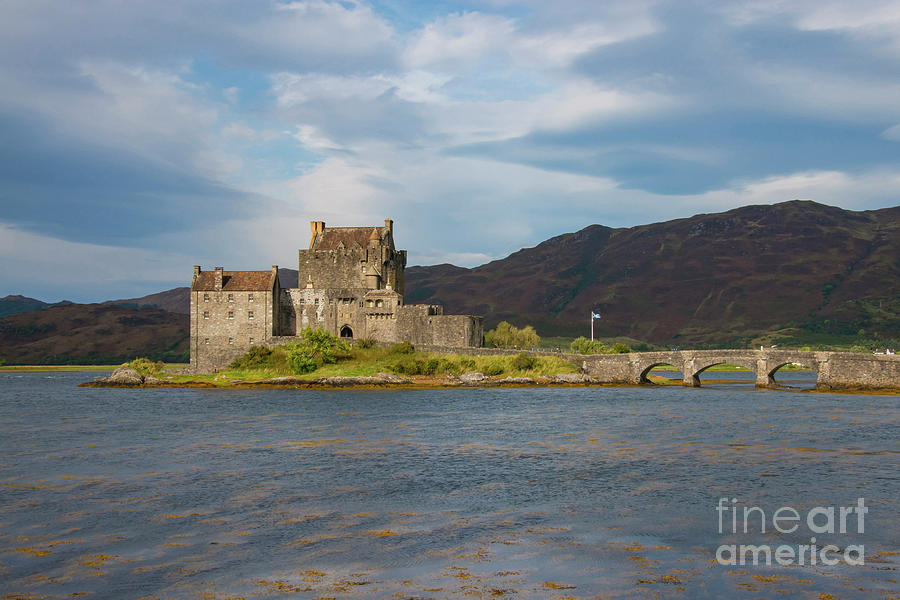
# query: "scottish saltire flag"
{"points": [[594, 315]]}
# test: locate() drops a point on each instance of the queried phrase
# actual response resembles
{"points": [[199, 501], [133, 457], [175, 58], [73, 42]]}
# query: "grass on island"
{"points": [[354, 361]]}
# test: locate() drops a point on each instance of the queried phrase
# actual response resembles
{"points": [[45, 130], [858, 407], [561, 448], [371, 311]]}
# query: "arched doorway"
{"points": [[346, 332]]}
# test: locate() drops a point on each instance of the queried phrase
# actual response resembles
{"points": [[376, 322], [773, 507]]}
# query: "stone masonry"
{"points": [[350, 283]]}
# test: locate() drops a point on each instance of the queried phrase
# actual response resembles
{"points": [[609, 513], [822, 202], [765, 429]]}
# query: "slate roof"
{"points": [[235, 281], [333, 237]]}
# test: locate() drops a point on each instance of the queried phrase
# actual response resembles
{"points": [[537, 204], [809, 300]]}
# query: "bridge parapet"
{"points": [[835, 370]]}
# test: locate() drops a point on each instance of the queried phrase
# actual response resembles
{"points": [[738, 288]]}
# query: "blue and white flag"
{"points": [[594, 315]]}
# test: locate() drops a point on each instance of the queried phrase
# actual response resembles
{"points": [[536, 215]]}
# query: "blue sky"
{"points": [[140, 138]]}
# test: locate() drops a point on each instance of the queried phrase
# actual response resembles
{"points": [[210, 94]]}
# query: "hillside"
{"points": [[176, 300], [93, 334], [708, 279], [13, 305]]}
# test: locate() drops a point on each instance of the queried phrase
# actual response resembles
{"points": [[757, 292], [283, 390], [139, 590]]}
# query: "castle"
{"points": [[350, 283]]}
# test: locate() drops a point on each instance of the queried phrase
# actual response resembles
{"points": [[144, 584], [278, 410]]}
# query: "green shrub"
{"points": [[465, 365], [506, 335], [365, 342], [524, 362], [582, 345], [302, 359], [316, 347], [145, 366], [405, 366], [255, 358], [428, 365], [402, 348], [494, 367]]}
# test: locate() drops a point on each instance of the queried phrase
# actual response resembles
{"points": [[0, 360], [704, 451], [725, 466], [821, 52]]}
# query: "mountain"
{"points": [[795, 271], [176, 300], [13, 305], [93, 334], [708, 279]]}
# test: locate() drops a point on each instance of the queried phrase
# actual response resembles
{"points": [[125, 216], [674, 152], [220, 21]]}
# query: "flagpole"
{"points": [[592, 325]]}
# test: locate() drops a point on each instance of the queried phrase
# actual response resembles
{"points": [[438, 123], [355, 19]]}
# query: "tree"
{"points": [[506, 335]]}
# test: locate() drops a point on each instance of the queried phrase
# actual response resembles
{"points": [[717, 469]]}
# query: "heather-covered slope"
{"points": [[718, 278], [93, 334]]}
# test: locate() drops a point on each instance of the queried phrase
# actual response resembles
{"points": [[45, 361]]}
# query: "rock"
{"points": [[517, 380], [124, 376], [472, 377], [151, 380], [391, 378], [567, 378], [284, 380], [381, 379]]}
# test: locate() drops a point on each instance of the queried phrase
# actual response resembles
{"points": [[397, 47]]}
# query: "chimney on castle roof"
{"points": [[388, 225], [219, 274], [196, 271], [317, 227]]}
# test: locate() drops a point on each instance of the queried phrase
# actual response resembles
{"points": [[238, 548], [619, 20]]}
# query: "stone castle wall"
{"points": [[225, 324]]}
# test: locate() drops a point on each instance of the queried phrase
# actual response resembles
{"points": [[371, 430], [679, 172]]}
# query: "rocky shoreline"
{"points": [[128, 377]]}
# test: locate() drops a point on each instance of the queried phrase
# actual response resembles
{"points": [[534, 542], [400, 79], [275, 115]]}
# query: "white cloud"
{"points": [[461, 39], [892, 133]]}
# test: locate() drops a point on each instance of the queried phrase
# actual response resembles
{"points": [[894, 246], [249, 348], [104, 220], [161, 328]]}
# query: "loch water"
{"points": [[463, 493]]}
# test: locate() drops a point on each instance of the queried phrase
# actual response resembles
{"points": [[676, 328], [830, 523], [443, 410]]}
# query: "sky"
{"points": [[140, 138]]}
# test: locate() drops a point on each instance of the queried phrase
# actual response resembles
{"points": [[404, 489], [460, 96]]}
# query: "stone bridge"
{"points": [[835, 370]]}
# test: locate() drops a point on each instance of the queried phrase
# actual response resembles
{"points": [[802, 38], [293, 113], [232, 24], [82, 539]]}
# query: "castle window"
{"points": [[230, 314], [251, 340], [231, 340], [206, 297], [364, 269], [231, 297], [302, 301], [317, 301], [206, 341], [249, 314], [250, 297], [370, 303], [360, 303], [205, 314], [331, 301], [379, 302]]}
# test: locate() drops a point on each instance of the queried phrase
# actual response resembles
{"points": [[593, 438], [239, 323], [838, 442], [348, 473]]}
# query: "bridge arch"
{"points": [[695, 376], [774, 367], [645, 370]]}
